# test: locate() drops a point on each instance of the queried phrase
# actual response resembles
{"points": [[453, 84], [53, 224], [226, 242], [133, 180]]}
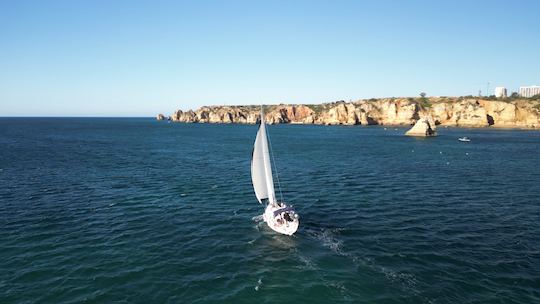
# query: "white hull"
{"points": [[279, 224]]}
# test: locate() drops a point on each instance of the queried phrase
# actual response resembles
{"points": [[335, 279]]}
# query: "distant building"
{"points": [[500, 92], [529, 91]]}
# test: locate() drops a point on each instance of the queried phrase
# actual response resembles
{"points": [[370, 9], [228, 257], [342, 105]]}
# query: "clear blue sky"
{"points": [[138, 58]]}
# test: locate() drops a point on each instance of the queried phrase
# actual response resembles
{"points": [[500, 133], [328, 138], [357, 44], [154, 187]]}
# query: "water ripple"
{"points": [[133, 210]]}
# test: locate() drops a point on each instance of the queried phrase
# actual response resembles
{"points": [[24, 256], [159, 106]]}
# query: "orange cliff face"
{"points": [[461, 112]]}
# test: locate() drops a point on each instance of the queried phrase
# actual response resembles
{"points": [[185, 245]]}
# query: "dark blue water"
{"points": [[139, 211]]}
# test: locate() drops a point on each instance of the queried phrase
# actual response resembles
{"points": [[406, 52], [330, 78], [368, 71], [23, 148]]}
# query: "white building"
{"points": [[500, 92], [529, 91]]}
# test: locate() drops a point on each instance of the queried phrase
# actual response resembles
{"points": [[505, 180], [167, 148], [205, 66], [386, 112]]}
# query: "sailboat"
{"points": [[277, 215]]}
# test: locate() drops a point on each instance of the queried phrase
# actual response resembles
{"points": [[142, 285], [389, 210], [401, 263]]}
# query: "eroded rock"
{"points": [[467, 112]]}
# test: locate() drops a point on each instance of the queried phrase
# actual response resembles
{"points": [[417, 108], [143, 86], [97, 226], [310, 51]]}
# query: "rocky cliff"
{"points": [[455, 111]]}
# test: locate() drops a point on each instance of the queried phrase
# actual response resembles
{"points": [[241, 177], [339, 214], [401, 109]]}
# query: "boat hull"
{"points": [[278, 223]]}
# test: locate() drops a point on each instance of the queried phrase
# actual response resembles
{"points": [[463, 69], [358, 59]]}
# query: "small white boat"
{"points": [[465, 139], [277, 215]]}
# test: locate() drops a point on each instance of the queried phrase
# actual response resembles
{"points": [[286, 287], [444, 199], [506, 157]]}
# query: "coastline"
{"points": [[405, 127], [466, 112]]}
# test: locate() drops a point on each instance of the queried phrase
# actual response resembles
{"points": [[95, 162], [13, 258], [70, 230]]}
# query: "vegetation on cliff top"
{"points": [[424, 101]]}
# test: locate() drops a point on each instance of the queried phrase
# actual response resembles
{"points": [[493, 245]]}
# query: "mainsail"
{"points": [[261, 169]]}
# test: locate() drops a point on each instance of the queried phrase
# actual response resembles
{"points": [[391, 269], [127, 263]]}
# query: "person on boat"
{"points": [[287, 217]]}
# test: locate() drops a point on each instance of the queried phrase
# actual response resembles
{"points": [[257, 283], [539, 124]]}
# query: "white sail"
{"points": [[261, 169]]}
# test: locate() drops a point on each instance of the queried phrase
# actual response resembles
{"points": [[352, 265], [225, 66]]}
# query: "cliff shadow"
{"points": [[490, 120], [371, 121]]}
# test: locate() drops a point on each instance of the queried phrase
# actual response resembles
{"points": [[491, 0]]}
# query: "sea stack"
{"points": [[160, 117], [424, 127]]}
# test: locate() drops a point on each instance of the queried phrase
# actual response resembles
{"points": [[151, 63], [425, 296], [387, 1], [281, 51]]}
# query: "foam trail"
{"points": [[258, 218], [259, 283], [329, 238]]}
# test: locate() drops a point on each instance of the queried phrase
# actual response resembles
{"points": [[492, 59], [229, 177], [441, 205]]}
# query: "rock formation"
{"points": [[446, 111], [161, 117], [424, 127]]}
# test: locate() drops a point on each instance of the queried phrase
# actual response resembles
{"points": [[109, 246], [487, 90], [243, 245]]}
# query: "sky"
{"points": [[140, 58]]}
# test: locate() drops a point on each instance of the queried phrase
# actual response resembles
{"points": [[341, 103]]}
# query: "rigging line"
{"points": [[274, 163]]}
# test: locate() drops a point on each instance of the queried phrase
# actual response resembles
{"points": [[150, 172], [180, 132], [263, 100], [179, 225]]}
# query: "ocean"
{"points": [[133, 210]]}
